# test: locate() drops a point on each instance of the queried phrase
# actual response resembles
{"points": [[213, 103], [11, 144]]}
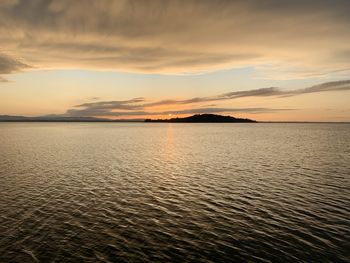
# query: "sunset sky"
{"points": [[267, 60]]}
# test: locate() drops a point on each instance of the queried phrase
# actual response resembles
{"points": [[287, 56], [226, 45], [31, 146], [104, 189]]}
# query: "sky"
{"points": [[271, 60]]}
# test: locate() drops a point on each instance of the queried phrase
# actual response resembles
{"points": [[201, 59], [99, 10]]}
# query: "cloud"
{"points": [[274, 91], [220, 110], [116, 105], [101, 113], [328, 86], [262, 92], [185, 36], [9, 65], [141, 106]]}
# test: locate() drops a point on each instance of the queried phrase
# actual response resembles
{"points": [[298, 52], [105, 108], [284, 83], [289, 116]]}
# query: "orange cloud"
{"points": [[298, 38]]}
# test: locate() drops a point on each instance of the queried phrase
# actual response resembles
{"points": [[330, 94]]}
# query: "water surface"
{"points": [[132, 192]]}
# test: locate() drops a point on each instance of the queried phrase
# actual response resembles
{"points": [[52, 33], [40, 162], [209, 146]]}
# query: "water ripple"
{"points": [[174, 192]]}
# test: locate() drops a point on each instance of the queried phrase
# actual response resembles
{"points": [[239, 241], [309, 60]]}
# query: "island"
{"points": [[203, 118]]}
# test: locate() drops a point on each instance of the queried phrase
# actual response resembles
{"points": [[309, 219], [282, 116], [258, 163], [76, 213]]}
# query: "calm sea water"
{"points": [[135, 192]]}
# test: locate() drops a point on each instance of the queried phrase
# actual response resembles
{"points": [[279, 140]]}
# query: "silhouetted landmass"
{"points": [[55, 118], [205, 118]]}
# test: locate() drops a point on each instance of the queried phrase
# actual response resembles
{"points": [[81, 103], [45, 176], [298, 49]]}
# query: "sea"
{"points": [[173, 192]]}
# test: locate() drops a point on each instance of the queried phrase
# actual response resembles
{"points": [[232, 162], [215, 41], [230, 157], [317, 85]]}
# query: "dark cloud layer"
{"points": [[273, 91], [139, 106], [89, 113], [167, 36], [10, 65]]}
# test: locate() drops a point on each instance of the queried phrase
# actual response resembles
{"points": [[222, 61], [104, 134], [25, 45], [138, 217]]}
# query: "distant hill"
{"points": [[48, 119], [204, 118], [57, 118], [11, 118]]}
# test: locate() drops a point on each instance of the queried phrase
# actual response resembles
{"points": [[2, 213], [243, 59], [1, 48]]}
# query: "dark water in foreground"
{"points": [[115, 192]]}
